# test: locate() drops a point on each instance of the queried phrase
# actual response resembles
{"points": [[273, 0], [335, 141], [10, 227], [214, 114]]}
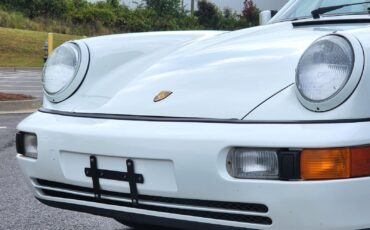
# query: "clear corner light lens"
{"points": [[30, 145], [325, 68], [61, 68], [245, 163]]}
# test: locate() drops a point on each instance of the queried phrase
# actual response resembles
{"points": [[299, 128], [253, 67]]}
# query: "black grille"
{"points": [[175, 201]]}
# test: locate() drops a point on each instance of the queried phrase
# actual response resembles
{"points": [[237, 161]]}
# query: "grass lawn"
{"points": [[24, 48]]}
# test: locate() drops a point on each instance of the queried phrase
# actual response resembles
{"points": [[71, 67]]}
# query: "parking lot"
{"points": [[26, 82], [19, 209]]}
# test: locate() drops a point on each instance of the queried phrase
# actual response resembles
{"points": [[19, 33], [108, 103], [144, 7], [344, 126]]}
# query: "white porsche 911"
{"points": [[261, 128]]}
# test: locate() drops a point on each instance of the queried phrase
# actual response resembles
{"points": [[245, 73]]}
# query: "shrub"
{"points": [[83, 18], [94, 14], [17, 20]]}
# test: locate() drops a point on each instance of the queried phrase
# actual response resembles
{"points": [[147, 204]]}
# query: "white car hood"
{"points": [[211, 74]]}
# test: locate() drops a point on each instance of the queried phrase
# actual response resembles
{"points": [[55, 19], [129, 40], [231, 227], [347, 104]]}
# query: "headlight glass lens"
{"points": [[30, 145], [325, 68], [245, 163], [61, 68]]}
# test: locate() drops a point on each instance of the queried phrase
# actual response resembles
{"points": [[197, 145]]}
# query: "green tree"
{"points": [[164, 7], [208, 15], [104, 17], [45, 8], [113, 3], [251, 12], [231, 20]]}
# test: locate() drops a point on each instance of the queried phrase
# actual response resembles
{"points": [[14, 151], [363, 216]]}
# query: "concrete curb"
{"points": [[15, 69], [24, 105]]}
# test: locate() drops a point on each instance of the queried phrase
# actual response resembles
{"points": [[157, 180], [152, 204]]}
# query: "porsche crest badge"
{"points": [[162, 95]]}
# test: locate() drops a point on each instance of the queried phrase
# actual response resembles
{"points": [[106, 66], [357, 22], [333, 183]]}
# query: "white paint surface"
{"points": [[198, 153]]}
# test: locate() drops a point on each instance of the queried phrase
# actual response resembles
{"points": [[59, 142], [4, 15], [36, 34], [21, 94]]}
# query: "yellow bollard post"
{"points": [[50, 43]]}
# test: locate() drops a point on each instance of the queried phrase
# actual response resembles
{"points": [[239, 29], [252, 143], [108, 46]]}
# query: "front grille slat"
{"points": [[115, 198], [40, 187], [260, 208]]}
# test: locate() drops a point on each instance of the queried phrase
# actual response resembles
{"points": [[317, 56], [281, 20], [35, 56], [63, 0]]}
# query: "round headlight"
{"points": [[324, 71], [64, 71], [61, 68]]}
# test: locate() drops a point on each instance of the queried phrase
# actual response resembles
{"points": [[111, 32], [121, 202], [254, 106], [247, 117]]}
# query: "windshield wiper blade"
{"points": [[322, 10]]}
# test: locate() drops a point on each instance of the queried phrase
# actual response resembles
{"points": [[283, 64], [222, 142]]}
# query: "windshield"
{"points": [[299, 9]]}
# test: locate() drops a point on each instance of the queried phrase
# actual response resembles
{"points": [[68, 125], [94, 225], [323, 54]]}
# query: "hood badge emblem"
{"points": [[162, 95]]}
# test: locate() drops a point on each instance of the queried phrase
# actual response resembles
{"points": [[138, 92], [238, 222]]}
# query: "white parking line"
{"points": [[3, 127]]}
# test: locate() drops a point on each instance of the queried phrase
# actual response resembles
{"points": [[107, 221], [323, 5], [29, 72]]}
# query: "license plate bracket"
{"points": [[130, 176]]}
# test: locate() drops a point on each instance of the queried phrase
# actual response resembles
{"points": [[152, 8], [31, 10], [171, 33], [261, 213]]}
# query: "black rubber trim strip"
{"points": [[241, 218], [250, 207], [139, 218], [19, 143], [328, 22], [195, 120]]}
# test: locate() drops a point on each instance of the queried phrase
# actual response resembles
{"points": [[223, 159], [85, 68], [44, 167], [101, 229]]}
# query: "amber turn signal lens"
{"points": [[335, 163], [319, 164]]}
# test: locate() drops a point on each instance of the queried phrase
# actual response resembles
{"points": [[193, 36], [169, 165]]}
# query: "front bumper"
{"points": [[187, 161]]}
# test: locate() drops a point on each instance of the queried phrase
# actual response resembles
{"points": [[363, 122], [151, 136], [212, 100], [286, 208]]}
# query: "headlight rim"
{"points": [[347, 89], [69, 89], [78, 50]]}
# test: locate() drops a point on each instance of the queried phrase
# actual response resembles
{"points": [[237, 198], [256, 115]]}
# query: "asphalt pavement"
{"points": [[26, 82], [19, 209]]}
